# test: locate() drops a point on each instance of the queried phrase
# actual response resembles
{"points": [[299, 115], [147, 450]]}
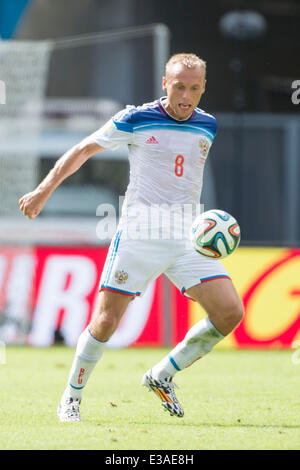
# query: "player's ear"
{"points": [[204, 86]]}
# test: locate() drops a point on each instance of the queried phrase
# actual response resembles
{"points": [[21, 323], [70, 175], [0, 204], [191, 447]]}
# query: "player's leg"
{"points": [[126, 273], [110, 308], [221, 301], [225, 311], [224, 308], [108, 313]]}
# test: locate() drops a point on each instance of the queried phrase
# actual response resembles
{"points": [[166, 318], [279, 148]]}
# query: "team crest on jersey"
{"points": [[121, 277], [204, 146]]}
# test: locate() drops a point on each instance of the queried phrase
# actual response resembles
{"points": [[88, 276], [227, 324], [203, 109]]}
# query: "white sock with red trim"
{"points": [[198, 341], [88, 352]]}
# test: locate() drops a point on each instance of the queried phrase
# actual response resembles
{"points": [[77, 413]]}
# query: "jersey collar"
{"points": [[165, 112]]}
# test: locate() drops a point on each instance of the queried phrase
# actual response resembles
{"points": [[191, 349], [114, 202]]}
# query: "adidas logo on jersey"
{"points": [[151, 140]]}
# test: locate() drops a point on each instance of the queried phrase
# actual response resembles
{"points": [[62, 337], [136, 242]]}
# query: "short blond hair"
{"points": [[188, 60]]}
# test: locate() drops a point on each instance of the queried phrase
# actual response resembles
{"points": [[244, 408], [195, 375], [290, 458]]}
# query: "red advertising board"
{"points": [[59, 295], [49, 293]]}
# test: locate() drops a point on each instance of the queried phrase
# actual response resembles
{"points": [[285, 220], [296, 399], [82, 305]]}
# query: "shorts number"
{"points": [[179, 165]]}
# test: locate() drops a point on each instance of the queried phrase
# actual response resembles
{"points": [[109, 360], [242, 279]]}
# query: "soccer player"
{"points": [[168, 142]]}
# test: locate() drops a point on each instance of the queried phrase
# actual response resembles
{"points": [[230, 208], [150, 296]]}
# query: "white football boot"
{"points": [[68, 410]]}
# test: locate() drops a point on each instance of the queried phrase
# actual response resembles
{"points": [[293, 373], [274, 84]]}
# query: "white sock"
{"points": [[88, 352], [199, 340]]}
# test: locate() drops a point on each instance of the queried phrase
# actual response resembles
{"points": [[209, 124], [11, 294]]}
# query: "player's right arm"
{"points": [[32, 203], [116, 132]]}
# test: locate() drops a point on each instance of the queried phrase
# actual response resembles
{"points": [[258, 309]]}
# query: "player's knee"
{"points": [[109, 319], [106, 321], [234, 313]]}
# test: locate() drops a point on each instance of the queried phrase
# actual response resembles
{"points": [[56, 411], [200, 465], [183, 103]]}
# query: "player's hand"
{"points": [[32, 203]]}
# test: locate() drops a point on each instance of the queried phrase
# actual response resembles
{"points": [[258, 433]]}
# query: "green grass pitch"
{"points": [[232, 400]]}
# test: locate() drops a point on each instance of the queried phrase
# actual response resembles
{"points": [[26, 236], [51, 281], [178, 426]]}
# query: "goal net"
{"points": [[24, 70]]}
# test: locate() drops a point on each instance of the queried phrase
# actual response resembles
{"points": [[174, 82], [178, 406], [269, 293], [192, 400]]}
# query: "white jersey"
{"points": [[167, 159], [166, 156]]}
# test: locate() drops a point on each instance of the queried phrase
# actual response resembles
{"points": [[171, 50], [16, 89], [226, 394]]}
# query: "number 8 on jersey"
{"points": [[179, 165]]}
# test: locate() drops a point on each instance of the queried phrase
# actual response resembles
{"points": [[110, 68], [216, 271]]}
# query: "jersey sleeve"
{"points": [[116, 132], [214, 126]]}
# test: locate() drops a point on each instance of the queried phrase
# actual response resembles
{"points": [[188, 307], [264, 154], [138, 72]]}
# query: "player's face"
{"points": [[184, 88]]}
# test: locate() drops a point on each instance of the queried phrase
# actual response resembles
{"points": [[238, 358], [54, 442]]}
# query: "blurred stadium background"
{"points": [[66, 68]]}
